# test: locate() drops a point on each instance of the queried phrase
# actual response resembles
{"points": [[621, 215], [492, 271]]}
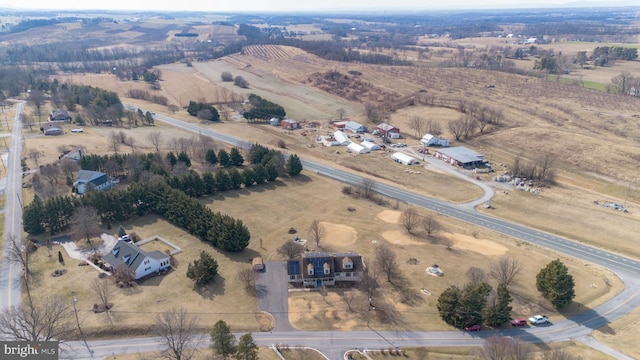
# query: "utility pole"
{"points": [[627, 195], [75, 310]]}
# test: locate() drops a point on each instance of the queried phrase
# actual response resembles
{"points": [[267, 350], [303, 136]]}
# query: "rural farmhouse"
{"points": [[432, 140], [100, 180], [59, 115], [52, 129], [461, 156], [317, 269], [141, 262]]}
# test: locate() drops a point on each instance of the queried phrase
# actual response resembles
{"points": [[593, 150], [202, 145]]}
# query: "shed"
{"points": [[370, 145], [52, 129], [357, 148], [355, 127], [389, 131], [461, 156], [341, 138], [257, 264], [340, 124], [290, 124], [432, 140], [403, 158], [274, 121]]}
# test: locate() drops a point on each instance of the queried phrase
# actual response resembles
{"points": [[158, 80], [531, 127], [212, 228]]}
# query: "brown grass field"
{"points": [[592, 135]]}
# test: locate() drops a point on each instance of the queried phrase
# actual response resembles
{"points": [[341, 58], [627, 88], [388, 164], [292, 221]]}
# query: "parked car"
{"points": [[76, 130], [519, 322], [539, 320], [472, 328]]}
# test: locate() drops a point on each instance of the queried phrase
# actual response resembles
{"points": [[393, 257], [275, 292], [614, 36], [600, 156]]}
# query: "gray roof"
{"points": [[95, 177], [353, 125], [157, 254], [462, 154], [130, 255]]}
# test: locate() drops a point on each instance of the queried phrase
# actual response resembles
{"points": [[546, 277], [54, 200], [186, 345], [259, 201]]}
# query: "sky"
{"points": [[300, 5]]}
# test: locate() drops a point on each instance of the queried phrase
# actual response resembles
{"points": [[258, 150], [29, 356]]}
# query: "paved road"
{"points": [[11, 272], [578, 327], [273, 293]]}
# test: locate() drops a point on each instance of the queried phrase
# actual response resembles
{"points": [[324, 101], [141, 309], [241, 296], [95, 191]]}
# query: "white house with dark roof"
{"points": [[100, 180], [142, 263]]}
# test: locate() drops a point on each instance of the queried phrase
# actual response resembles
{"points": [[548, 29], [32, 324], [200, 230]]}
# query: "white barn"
{"points": [[432, 140], [403, 158], [357, 148]]}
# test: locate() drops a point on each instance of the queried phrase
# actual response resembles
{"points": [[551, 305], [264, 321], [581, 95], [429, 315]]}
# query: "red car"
{"points": [[472, 328], [519, 322]]}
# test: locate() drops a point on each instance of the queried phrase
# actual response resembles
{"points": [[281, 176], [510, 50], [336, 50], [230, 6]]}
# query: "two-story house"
{"points": [[142, 263], [317, 269]]}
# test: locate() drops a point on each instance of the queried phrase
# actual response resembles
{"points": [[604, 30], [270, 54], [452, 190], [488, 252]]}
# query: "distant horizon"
{"points": [[336, 6]]}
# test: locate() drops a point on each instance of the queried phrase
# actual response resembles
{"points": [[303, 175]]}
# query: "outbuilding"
{"points": [[403, 158], [290, 124], [356, 148], [341, 138], [370, 146], [355, 127], [389, 131], [340, 124], [461, 156], [274, 121]]}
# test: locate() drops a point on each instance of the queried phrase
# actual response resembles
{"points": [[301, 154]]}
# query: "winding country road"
{"points": [[334, 344]]}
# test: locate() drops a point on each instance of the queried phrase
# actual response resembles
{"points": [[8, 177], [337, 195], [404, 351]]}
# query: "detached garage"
{"points": [[403, 158], [370, 145]]}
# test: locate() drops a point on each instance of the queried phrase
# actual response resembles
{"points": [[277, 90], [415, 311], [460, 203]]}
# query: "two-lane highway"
{"points": [[11, 272]]}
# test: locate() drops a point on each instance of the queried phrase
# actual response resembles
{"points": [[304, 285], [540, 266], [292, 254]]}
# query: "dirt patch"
{"points": [[389, 216], [481, 246], [399, 237], [339, 234]]}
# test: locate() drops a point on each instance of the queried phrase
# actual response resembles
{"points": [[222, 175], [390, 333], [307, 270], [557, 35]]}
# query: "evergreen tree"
{"points": [[247, 348], [500, 312], [203, 270], [222, 340], [556, 284], [211, 157], [121, 231], [171, 158], [260, 174], [210, 184], [60, 259], [294, 165], [236, 157], [448, 305], [272, 171], [248, 177], [223, 158], [236, 178], [462, 307], [183, 157], [33, 217], [223, 180]]}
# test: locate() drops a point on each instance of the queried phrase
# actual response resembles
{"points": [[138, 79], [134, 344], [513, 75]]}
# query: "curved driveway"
{"points": [[334, 343]]}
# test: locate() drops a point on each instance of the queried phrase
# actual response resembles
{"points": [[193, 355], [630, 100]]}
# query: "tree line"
{"points": [[203, 111], [262, 109]]}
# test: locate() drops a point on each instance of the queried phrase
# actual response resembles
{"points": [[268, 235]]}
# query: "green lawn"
{"points": [[585, 83]]}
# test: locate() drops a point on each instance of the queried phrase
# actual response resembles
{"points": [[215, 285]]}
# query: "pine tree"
{"points": [[223, 180], [60, 259], [121, 231], [236, 178], [272, 171], [500, 312], [260, 174], [211, 157], [203, 270], [236, 157], [248, 177], [222, 340], [33, 217], [171, 158], [556, 284], [247, 348], [210, 184], [294, 165], [223, 158], [183, 157]]}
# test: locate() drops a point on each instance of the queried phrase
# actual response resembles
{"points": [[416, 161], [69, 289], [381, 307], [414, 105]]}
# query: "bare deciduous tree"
{"points": [[247, 276], [410, 218], [317, 232], [433, 127], [367, 188], [385, 260], [39, 320], [291, 249], [50, 172], [85, 223], [341, 113], [506, 270], [545, 166], [114, 141], [503, 348], [124, 276], [417, 124], [130, 142], [103, 290], [559, 354], [35, 155], [457, 128], [476, 275], [69, 167], [430, 225], [177, 331]]}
